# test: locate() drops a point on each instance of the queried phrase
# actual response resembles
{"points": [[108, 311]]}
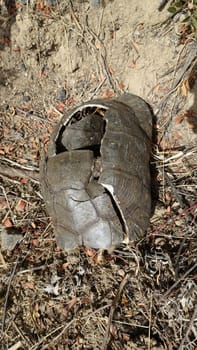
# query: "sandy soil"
{"points": [[53, 57]]}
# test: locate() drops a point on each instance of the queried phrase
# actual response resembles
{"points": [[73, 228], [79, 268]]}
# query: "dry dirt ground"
{"points": [[56, 54]]}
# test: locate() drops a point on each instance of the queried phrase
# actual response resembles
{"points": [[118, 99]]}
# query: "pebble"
{"points": [[96, 3], [61, 94], [5, 106], [9, 237], [26, 98], [23, 66], [121, 273], [52, 2]]}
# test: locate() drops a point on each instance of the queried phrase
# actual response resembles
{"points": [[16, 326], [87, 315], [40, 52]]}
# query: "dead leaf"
{"points": [[89, 251], [26, 107], [33, 224], [108, 93], [36, 307], [168, 197], [179, 119], [40, 5], [124, 300], [72, 302], [168, 210], [6, 41], [24, 180], [85, 300], [184, 88], [140, 26], [132, 64], [121, 85], [8, 223], [46, 139], [113, 330], [42, 74], [17, 49], [52, 113], [110, 70], [3, 204], [65, 265], [70, 102], [9, 149], [21, 205], [28, 285], [60, 107], [34, 242], [125, 337], [162, 89]]}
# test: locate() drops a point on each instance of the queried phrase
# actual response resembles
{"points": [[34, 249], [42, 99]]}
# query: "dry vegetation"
{"points": [[141, 296]]}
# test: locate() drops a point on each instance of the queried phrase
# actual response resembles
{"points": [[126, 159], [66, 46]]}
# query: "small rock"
{"points": [[61, 94], [9, 237], [52, 2], [5, 106], [121, 273], [23, 66], [26, 98], [96, 3]]}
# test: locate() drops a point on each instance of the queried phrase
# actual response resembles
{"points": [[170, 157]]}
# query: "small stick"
{"points": [[10, 172], [106, 338], [18, 165], [150, 320], [3, 261], [188, 329], [16, 346], [8, 203], [179, 280], [7, 294], [30, 115], [98, 87]]}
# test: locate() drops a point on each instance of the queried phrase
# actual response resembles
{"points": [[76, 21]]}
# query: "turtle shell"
{"points": [[95, 177]]}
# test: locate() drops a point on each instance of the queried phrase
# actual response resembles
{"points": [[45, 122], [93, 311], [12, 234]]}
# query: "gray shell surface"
{"points": [[95, 178]]}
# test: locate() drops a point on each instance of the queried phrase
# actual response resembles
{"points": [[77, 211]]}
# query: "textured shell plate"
{"points": [[95, 178]]}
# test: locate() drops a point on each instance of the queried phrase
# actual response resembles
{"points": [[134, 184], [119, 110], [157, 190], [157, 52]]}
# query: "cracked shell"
{"points": [[95, 177]]}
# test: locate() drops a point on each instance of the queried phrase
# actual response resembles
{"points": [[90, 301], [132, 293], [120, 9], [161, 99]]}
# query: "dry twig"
{"points": [[106, 338], [179, 280], [10, 172], [191, 323], [7, 293]]}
